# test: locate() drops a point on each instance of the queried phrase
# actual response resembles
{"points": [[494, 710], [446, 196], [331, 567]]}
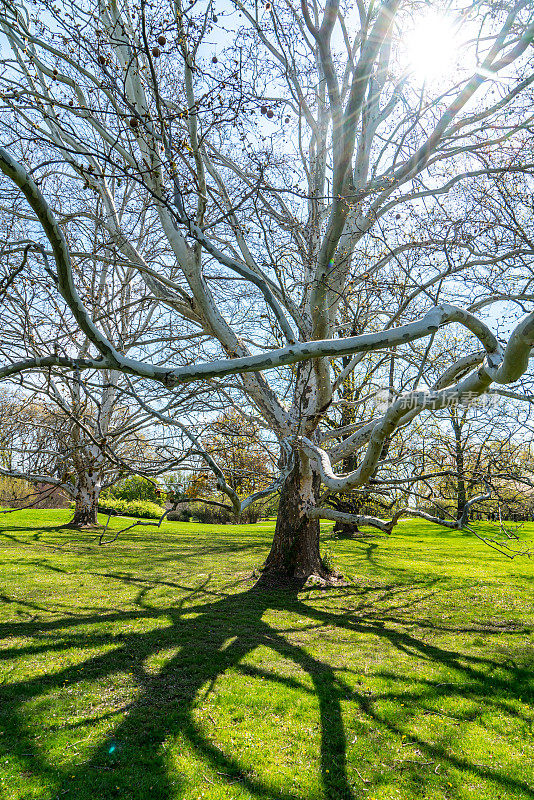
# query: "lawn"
{"points": [[153, 669]]}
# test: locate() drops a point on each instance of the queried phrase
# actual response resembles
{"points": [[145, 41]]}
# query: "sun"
{"points": [[431, 47]]}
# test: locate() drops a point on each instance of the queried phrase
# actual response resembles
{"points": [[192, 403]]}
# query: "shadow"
{"points": [[29, 529], [212, 632], [165, 701]]}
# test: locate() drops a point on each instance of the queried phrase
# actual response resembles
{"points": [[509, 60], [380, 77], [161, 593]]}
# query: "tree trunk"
{"points": [[346, 530], [294, 554], [461, 494], [88, 488]]}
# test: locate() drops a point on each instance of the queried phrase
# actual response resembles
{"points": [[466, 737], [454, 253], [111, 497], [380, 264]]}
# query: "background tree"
{"points": [[243, 453], [46, 446], [96, 431], [246, 459], [475, 452]]}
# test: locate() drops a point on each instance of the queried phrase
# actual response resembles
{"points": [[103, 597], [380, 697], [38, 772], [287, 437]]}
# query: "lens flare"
{"points": [[431, 47]]}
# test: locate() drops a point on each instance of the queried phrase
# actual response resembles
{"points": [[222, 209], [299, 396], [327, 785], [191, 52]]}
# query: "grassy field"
{"points": [[152, 669]]}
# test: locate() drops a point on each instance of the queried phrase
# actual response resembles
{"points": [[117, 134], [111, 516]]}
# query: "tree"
{"points": [[467, 452], [458, 455], [94, 432], [54, 446], [245, 458], [298, 168]]}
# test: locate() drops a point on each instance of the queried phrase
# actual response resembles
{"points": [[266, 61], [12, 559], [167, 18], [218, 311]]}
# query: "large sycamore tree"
{"points": [[305, 168]]}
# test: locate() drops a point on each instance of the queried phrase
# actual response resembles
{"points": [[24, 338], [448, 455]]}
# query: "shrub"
{"points": [[210, 515], [135, 488], [327, 557], [214, 515], [13, 490], [143, 509], [268, 507], [251, 515], [183, 514]]}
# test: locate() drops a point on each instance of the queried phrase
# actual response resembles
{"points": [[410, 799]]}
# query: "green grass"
{"points": [[151, 669]]}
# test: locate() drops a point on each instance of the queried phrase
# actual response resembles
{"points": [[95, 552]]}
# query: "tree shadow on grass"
{"points": [[213, 635]]}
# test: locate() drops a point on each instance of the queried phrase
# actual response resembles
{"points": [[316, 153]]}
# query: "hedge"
{"points": [[143, 509]]}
